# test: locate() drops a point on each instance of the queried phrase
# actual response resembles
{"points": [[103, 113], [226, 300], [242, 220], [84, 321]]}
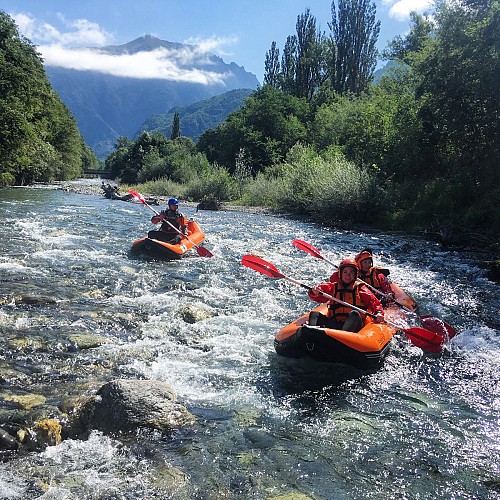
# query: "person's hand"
{"points": [[379, 318], [315, 292]]}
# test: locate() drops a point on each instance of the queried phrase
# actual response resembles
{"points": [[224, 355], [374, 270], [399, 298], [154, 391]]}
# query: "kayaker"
{"points": [[377, 277], [175, 218], [341, 317]]}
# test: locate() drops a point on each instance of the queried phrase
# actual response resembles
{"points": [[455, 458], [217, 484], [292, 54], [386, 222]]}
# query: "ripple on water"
{"points": [[266, 425]]}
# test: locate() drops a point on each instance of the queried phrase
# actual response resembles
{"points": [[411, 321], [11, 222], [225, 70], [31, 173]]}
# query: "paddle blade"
{"points": [[439, 327], [204, 252], [307, 247], [425, 339], [137, 196], [261, 266]]}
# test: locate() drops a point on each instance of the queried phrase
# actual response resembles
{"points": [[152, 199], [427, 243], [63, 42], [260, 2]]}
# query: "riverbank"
{"points": [[93, 187]]}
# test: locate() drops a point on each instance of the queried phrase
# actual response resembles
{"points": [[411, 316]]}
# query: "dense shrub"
{"points": [[324, 184]]}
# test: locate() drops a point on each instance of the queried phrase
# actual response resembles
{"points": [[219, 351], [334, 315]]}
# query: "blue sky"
{"points": [[239, 31]]}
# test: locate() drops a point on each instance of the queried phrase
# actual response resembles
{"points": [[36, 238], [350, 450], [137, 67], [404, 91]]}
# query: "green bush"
{"points": [[262, 191], [325, 184], [215, 183]]}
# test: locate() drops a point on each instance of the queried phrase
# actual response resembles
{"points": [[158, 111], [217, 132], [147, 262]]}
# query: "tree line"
{"points": [[418, 149], [39, 138]]}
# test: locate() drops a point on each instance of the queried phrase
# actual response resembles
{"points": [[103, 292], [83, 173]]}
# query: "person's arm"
{"points": [[183, 223], [385, 285], [318, 297], [157, 218], [372, 304]]}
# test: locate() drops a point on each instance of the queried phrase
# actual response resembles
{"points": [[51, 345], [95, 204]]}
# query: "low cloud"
{"points": [[401, 9], [214, 44], [156, 64], [76, 45]]}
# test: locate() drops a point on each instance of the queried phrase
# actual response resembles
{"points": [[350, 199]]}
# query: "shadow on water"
{"points": [[289, 376]]}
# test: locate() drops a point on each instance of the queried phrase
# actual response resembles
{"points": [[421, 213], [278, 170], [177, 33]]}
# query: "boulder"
{"points": [[34, 300], [209, 203], [126, 405], [193, 313], [8, 442]]}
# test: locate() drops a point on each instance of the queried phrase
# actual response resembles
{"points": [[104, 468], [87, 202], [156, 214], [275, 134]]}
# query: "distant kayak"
{"points": [[163, 250], [365, 349]]}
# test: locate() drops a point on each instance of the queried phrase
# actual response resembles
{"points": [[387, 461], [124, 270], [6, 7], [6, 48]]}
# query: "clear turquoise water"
{"points": [[420, 427]]}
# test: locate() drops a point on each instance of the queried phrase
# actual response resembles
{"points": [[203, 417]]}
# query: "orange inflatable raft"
{"points": [[364, 349], [168, 251]]}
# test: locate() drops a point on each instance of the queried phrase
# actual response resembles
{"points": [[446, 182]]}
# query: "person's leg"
{"points": [[353, 323], [174, 239], [317, 319], [162, 236]]}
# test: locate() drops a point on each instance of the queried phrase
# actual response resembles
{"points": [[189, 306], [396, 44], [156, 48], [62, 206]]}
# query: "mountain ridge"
{"points": [[106, 106], [199, 116]]}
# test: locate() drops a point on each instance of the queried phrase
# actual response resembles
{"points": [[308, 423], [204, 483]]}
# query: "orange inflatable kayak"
{"points": [[168, 251], [364, 349]]}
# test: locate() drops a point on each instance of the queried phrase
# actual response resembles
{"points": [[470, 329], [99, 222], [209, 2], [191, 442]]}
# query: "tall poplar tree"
{"points": [[354, 34], [272, 67], [289, 64], [309, 64], [175, 131]]}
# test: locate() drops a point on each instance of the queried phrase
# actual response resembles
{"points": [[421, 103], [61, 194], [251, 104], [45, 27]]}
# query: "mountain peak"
{"points": [[144, 43]]}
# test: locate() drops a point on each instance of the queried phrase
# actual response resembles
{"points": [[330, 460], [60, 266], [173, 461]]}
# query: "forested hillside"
{"points": [[39, 139], [197, 117]]}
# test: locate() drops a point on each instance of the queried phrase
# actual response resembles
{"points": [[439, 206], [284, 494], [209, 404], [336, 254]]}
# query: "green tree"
{"points": [[354, 35], [309, 63], [272, 67], [266, 127], [404, 48], [175, 131], [116, 162], [289, 65], [459, 74]]}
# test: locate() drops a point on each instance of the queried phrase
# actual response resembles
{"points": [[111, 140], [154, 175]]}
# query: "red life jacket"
{"points": [[339, 312], [371, 277]]}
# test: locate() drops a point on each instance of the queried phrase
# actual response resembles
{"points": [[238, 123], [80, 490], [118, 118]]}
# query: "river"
{"points": [[266, 427]]}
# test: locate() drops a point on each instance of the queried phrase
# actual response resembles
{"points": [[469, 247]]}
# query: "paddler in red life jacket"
{"points": [[341, 317], [375, 276], [173, 216]]}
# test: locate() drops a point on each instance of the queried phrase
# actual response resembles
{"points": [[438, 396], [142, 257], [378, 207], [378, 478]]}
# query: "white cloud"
{"points": [[76, 32], [68, 47], [401, 9], [160, 64], [214, 44]]}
